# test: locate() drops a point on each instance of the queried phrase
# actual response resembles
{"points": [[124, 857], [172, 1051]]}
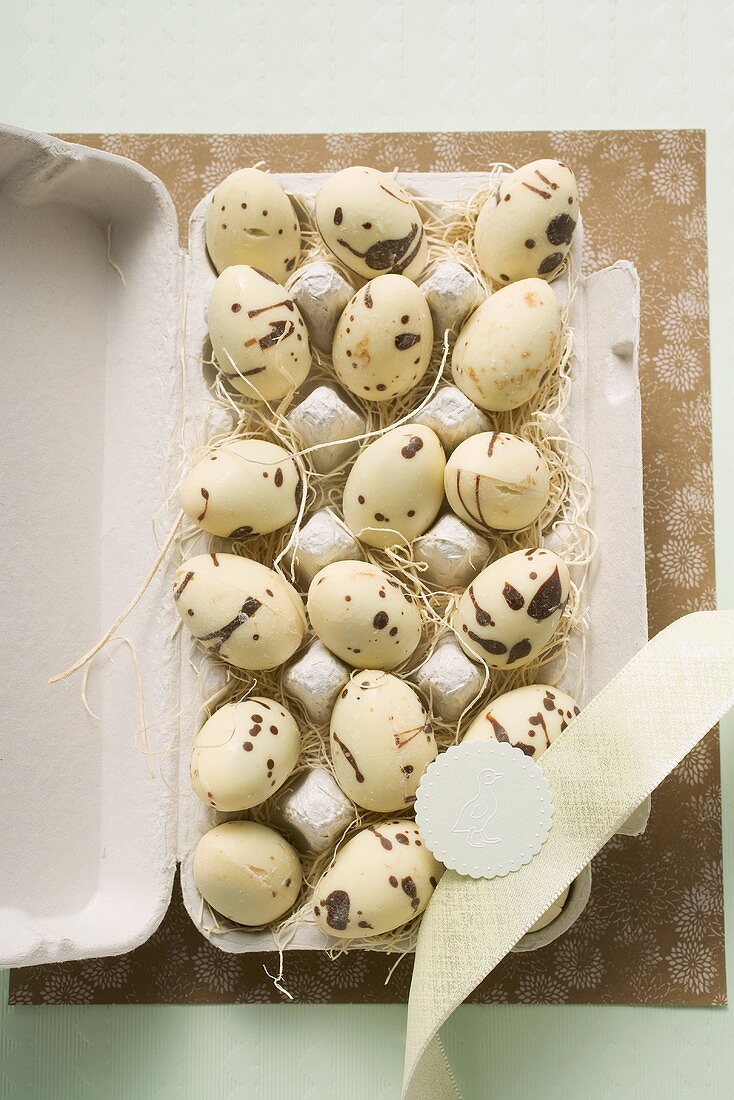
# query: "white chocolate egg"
{"points": [[381, 741], [395, 488], [247, 872], [258, 336], [550, 914], [245, 487], [509, 345], [363, 615], [498, 481], [371, 223], [251, 221], [511, 610], [383, 340], [527, 228], [244, 753], [380, 880], [240, 610], [529, 717]]}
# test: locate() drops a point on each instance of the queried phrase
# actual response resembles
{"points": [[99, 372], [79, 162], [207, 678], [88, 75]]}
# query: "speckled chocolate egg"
{"points": [[363, 615], [380, 880], [244, 753], [371, 223], [247, 872], [529, 717], [395, 488], [381, 741], [240, 610], [383, 340], [498, 481], [509, 345], [527, 228], [258, 336], [251, 221], [512, 609], [245, 487]]}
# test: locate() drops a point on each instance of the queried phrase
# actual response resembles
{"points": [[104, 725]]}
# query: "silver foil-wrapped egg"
{"points": [[324, 538], [312, 810], [321, 293], [326, 417], [449, 681], [453, 292], [314, 678], [453, 417], [452, 552]]}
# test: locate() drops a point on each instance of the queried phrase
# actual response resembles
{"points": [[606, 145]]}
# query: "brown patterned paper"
{"points": [[653, 930]]}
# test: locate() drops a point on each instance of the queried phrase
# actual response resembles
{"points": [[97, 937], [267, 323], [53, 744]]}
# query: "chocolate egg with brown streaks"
{"points": [[239, 610], [380, 879], [526, 229], [363, 615], [381, 741], [510, 612], [530, 718], [383, 339], [244, 487], [371, 223], [258, 336], [496, 481]]}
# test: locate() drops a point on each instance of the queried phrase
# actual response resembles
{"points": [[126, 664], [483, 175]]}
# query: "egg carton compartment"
{"points": [[603, 417], [110, 316]]}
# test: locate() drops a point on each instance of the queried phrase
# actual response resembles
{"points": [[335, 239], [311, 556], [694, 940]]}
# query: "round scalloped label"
{"points": [[484, 808]]}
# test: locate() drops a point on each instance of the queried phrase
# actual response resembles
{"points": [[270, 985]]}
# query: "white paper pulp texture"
{"points": [[99, 394]]}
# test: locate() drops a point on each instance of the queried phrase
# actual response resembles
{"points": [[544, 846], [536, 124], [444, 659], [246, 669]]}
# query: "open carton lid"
{"points": [[95, 818], [90, 393]]}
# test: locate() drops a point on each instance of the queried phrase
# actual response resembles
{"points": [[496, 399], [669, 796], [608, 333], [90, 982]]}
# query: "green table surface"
{"points": [[329, 65]]}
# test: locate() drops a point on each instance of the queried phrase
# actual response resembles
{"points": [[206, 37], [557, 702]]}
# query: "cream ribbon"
{"points": [[622, 745]]}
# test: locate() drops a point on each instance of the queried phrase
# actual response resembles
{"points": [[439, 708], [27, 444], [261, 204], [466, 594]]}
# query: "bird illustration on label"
{"points": [[477, 812]]}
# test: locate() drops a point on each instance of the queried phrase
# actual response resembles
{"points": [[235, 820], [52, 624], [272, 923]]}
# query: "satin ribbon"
{"points": [[609, 759]]}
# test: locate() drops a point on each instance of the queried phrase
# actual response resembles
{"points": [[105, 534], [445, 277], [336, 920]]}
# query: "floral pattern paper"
{"points": [[653, 930]]}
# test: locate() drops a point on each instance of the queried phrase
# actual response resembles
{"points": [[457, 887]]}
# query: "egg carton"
{"points": [[104, 326]]}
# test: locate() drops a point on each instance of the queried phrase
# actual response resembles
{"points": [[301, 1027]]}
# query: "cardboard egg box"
{"points": [[103, 321]]}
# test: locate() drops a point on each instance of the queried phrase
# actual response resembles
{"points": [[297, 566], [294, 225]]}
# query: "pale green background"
{"points": [[275, 66]]}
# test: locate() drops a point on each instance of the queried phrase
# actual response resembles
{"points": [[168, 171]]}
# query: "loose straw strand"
{"points": [[123, 614]]}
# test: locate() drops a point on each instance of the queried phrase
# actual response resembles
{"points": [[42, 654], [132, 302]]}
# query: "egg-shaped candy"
{"points": [[247, 872], [512, 609], [395, 488], [380, 880], [381, 741], [509, 345], [529, 717], [363, 615], [244, 753], [258, 336], [527, 228], [371, 223], [383, 339], [240, 610], [245, 487], [498, 481], [250, 220]]}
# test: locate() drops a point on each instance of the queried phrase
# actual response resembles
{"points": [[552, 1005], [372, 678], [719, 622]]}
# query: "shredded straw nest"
{"points": [[449, 231], [449, 228]]}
